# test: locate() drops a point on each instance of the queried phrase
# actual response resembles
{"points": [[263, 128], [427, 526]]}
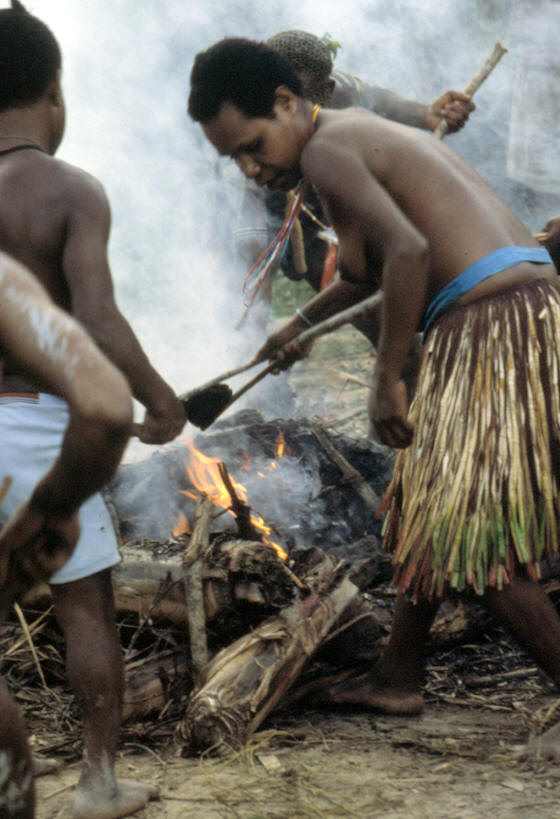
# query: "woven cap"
{"points": [[310, 56]]}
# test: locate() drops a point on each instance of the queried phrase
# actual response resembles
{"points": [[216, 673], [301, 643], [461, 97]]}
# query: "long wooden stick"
{"points": [[322, 328], [219, 378], [491, 62]]}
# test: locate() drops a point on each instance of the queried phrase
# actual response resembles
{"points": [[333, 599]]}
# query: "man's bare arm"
{"points": [[336, 297], [453, 106], [56, 353], [86, 269]]}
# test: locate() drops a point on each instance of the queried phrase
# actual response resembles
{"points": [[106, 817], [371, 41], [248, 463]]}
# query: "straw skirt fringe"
{"points": [[478, 491]]}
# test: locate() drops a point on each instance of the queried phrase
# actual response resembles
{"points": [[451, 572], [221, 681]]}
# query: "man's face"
{"points": [[266, 149]]}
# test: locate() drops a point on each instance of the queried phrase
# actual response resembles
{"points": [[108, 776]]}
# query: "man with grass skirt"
{"points": [[474, 503]]}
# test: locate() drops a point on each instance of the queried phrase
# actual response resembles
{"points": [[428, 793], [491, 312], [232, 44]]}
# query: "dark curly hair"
{"points": [[243, 72], [29, 57]]}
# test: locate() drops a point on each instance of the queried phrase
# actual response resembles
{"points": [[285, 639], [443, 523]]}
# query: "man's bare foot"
{"points": [[367, 692], [547, 746], [44, 764], [123, 798]]}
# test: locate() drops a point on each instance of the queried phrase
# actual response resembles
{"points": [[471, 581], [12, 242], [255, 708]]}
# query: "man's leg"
{"points": [[17, 795], [86, 614], [527, 613], [395, 685]]}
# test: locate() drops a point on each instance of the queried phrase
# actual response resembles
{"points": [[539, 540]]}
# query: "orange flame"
{"points": [[182, 526], [204, 474]]}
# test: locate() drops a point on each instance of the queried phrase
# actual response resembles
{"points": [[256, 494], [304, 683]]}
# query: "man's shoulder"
{"points": [[344, 126], [73, 180], [66, 191], [351, 90]]}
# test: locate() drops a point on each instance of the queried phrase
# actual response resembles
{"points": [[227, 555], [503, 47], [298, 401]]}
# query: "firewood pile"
{"points": [[226, 617]]}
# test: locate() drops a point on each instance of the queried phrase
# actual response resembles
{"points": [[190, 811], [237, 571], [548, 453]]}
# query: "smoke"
{"points": [[126, 72]]}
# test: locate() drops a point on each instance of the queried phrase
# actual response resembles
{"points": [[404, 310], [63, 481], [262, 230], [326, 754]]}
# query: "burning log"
{"points": [[246, 680], [235, 574]]}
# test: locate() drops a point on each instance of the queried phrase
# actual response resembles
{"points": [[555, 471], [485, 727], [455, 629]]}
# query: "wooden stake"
{"points": [[491, 62], [192, 574]]}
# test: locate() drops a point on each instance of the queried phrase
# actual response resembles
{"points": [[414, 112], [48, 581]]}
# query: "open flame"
{"points": [[204, 474], [182, 526]]}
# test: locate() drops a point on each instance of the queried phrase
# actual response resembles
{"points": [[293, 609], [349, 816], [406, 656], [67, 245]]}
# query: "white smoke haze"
{"points": [[126, 81]]}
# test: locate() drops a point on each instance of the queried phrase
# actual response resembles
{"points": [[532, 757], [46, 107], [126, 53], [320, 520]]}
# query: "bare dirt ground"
{"points": [[463, 757], [453, 761]]}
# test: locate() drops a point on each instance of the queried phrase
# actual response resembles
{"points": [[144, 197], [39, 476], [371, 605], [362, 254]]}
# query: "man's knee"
{"points": [[84, 601]]}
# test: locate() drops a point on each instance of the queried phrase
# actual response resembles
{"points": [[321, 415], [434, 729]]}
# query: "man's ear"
{"points": [[54, 90], [285, 98]]}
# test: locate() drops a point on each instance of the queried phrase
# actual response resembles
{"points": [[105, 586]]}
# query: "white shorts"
{"points": [[31, 433]]}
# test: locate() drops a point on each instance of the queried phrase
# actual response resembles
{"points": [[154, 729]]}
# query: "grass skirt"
{"points": [[477, 493]]}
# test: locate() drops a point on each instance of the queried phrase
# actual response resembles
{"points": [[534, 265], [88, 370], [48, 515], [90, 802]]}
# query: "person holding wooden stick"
{"points": [[40, 536], [312, 252], [474, 503], [55, 218]]}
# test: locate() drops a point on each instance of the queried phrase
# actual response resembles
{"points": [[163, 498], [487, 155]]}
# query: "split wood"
{"points": [[491, 62], [244, 682], [223, 377]]}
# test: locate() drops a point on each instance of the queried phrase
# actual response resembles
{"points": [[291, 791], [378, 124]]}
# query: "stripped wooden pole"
{"points": [[491, 62]]}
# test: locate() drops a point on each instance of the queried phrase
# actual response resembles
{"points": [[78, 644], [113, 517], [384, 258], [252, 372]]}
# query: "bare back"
{"points": [[379, 180], [42, 201]]}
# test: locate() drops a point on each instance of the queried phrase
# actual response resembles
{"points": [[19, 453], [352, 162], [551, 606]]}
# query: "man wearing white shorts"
{"points": [[32, 427]]}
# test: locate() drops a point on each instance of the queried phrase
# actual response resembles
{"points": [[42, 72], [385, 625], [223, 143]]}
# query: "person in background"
{"points": [[55, 219], [53, 350]]}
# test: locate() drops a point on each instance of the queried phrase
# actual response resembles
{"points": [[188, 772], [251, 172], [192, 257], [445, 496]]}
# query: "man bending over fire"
{"points": [[474, 503]]}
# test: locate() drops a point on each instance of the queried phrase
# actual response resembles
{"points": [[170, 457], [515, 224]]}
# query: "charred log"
{"points": [[246, 680]]}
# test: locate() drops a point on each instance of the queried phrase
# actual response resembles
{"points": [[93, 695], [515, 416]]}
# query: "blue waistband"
{"points": [[489, 265]]}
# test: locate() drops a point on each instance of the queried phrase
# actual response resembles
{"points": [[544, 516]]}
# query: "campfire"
{"points": [[252, 608], [209, 477]]}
